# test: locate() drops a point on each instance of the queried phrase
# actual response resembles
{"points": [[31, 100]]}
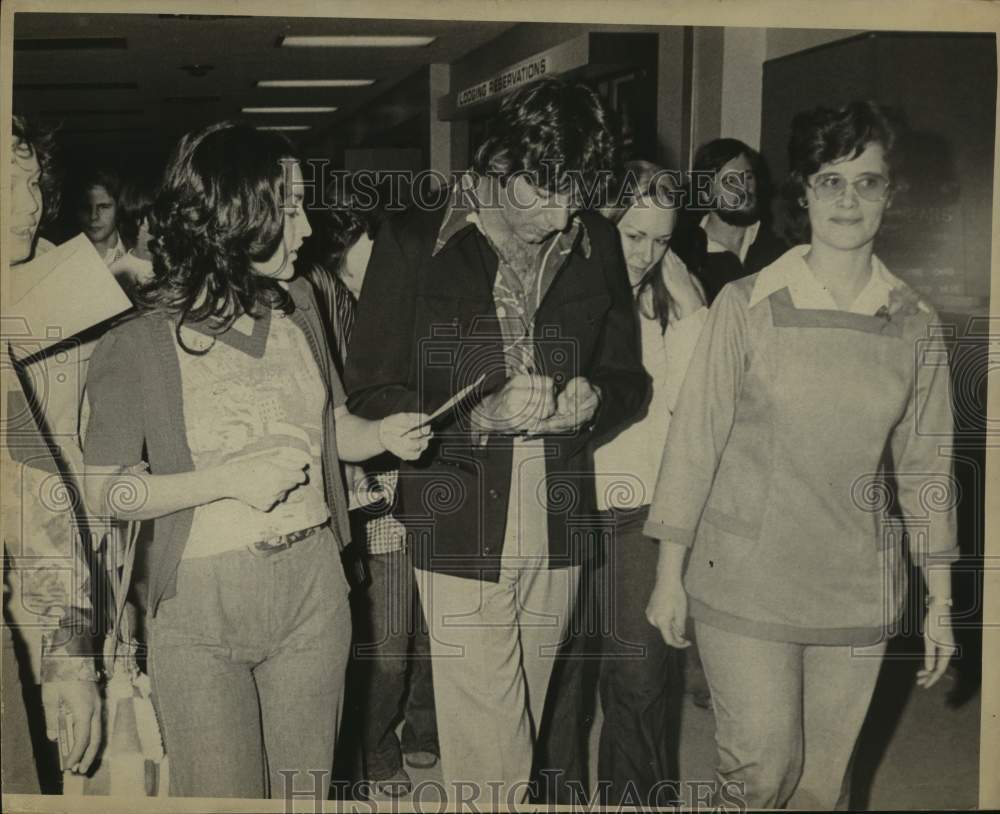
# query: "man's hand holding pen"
{"points": [[528, 405]]}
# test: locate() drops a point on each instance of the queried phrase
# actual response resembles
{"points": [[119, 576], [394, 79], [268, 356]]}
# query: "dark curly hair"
{"points": [[135, 202], [335, 231], [33, 139], [822, 135], [218, 211], [556, 132], [713, 155]]}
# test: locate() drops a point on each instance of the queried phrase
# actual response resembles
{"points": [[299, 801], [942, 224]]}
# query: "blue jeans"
{"points": [[247, 663]]}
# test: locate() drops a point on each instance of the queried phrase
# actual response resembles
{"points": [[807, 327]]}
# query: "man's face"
{"points": [[736, 192], [26, 203], [98, 214], [533, 214]]}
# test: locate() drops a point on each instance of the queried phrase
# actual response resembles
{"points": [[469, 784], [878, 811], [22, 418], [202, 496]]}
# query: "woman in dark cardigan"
{"points": [[226, 381]]}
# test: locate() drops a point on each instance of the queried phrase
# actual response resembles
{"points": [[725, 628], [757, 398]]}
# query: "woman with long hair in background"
{"points": [[639, 672]]}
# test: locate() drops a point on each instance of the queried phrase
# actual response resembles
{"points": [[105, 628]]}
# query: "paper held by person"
{"points": [[59, 294]]}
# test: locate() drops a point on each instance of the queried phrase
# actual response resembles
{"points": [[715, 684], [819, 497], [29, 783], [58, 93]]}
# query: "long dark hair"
{"points": [[335, 231], [660, 187], [712, 156], [135, 201], [33, 139], [218, 211]]}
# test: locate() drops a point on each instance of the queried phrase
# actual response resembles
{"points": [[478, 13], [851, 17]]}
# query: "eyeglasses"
{"points": [[829, 186]]}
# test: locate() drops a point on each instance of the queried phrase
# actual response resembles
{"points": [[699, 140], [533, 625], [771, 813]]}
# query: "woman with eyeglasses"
{"points": [[813, 428], [218, 413]]}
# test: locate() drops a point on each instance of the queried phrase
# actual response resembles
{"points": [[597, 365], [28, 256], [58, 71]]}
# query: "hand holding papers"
{"points": [[58, 295], [453, 402]]}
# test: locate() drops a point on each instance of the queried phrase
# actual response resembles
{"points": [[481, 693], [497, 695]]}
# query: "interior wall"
{"points": [[729, 71], [706, 86], [673, 97], [526, 39], [743, 54], [782, 41]]}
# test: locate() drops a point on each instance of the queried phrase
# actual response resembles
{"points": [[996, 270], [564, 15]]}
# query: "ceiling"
{"points": [[133, 95]]}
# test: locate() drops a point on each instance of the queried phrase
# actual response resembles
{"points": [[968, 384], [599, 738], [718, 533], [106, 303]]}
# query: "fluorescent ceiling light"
{"points": [[355, 41], [310, 109], [315, 83], [285, 127]]}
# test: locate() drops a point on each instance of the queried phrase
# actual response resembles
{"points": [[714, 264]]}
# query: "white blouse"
{"points": [[627, 465]]}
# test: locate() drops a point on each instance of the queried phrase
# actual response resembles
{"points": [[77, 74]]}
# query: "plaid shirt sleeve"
{"points": [[385, 533]]}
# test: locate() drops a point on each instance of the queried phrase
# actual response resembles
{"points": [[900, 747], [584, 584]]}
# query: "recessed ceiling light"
{"points": [[289, 109], [76, 86], [68, 43], [285, 127], [92, 111], [315, 83], [354, 41]]}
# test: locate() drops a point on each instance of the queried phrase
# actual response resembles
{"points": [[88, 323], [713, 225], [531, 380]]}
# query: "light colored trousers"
{"points": [[493, 646], [787, 716], [247, 663]]}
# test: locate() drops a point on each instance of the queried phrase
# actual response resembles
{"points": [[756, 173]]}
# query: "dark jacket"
{"points": [[427, 326], [715, 269]]}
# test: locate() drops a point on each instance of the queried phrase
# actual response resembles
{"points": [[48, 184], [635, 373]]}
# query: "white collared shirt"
{"points": [[115, 252], [792, 272], [749, 236], [625, 468]]}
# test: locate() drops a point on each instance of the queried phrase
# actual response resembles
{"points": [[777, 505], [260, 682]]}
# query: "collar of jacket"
{"points": [[461, 216]]}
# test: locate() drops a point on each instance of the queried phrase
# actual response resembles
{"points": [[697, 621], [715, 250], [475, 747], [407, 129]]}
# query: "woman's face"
{"points": [[26, 203], [847, 221], [352, 271], [281, 265], [645, 232]]}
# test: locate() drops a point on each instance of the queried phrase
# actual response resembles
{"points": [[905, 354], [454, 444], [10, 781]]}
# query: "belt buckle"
{"points": [[272, 545], [282, 542]]}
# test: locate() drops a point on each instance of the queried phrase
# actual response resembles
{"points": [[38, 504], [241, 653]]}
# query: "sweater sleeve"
{"points": [[115, 432], [617, 368], [922, 458], [701, 422], [681, 340]]}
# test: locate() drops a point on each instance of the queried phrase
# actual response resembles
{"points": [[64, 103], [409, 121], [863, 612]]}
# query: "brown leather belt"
{"points": [[282, 542]]}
